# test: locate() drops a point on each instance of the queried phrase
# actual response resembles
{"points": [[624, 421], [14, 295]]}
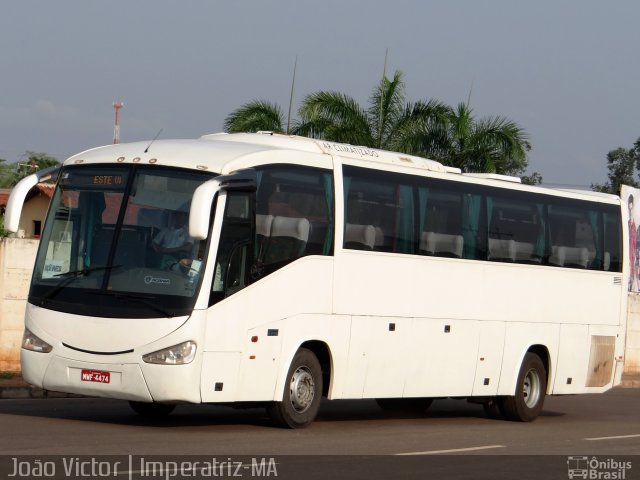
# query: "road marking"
{"points": [[614, 438], [468, 449]]}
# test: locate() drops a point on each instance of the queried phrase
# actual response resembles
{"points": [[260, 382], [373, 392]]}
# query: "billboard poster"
{"points": [[631, 215]]}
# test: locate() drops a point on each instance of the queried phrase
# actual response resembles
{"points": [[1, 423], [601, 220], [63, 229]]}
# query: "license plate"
{"points": [[97, 376]]}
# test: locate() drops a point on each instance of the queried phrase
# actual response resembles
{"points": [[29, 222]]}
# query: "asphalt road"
{"points": [[350, 439]]}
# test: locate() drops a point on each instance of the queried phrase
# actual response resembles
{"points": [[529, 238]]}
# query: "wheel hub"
{"points": [[301, 389], [531, 388]]}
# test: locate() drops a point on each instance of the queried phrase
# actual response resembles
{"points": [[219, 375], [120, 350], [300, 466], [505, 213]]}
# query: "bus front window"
{"points": [[117, 239]]}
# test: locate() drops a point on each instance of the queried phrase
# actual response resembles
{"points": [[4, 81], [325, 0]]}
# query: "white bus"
{"points": [[310, 268]]}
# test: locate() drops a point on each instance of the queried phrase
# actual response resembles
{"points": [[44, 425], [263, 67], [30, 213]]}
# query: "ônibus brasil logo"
{"points": [[596, 469]]}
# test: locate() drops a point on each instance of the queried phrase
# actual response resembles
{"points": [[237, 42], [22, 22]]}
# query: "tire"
{"points": [[302, 392], [412, 405], [531, 389], [152, 411]]}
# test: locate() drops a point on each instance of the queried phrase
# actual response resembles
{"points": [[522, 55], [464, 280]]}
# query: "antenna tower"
{"points": [[116, 127]]}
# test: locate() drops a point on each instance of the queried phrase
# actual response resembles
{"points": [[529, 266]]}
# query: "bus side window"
{"points": [[294, 216], [380, 211]]}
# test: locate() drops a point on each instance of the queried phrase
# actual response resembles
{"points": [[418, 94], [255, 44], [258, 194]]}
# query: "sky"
{"points": [[567, 72]]}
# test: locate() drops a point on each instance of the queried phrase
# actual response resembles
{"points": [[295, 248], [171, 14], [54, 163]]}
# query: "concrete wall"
{"points": [[632, 350], [16, 264]]}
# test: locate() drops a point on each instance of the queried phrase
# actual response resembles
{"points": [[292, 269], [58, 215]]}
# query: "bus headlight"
{"points": [[34, 343], [180, 354]]}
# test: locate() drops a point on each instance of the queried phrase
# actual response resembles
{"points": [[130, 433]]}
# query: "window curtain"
{"points": [[595, 219], [489, 218], [470, 224], [328, 195], [423, 195], [257, 247], [405, 220], [346, 185], [540, 246]]}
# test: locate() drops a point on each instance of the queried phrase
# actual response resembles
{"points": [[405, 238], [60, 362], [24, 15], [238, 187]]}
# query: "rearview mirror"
{"points": [[19, 193], [242, 180]]}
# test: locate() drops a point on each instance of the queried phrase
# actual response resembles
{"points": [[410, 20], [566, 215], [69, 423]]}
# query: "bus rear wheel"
{"points": [[531, 389], [152, 411], [302, 392]]}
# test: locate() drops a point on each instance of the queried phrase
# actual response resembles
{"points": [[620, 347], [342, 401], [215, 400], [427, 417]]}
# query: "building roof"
{"points": [[45, 189]]}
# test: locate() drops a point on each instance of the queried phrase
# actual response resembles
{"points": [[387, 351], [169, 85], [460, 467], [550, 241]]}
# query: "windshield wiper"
{"points": [[67, 277], [84, 271], [143, 299]]}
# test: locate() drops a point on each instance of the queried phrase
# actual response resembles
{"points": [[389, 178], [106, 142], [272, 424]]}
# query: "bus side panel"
{"points": [[519, 337], [331, 330], [266, 310], [385, 353], [489, 357], [219, 376], [356, 366], [573, 356], [603, 341], [442, 357], [265, 362], [587, 359]]}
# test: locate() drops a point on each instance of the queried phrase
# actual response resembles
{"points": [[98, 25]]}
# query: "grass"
{"points": [[7, 375]]}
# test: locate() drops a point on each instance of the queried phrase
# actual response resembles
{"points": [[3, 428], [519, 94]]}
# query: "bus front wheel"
{"points": [[302, 392], [531, 388]]}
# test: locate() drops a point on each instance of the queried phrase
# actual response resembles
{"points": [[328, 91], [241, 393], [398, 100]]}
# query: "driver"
{"points": [[173, 241]]}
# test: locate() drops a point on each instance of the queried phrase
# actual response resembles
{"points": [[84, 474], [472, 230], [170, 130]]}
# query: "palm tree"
{"points": [[490, 145], [388, 123], [255, 116], [426, 128]]}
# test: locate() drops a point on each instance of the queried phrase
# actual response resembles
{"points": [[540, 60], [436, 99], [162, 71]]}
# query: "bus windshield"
{"points": [[116, 243]]}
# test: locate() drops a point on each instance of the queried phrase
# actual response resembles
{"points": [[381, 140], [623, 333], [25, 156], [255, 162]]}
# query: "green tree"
{"points": [[12, 173], [622, 164], [3, 232], [255, 116], [490, 145], [5, 173], [534, 179], [388, 123]]}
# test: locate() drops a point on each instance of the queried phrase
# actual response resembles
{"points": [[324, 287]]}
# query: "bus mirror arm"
{"points": [[241, 180], [20, 192], [201, 209]]}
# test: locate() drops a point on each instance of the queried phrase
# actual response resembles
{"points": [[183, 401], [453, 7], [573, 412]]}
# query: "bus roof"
{"points": [[213, 152], [222, 152]]}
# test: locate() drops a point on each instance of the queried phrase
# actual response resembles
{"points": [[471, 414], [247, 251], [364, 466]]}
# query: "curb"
{"points": [[17, 388], [32, 392]]}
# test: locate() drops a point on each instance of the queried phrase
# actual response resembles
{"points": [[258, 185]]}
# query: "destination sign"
{"points": [[107, 179], [93, 178]]}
